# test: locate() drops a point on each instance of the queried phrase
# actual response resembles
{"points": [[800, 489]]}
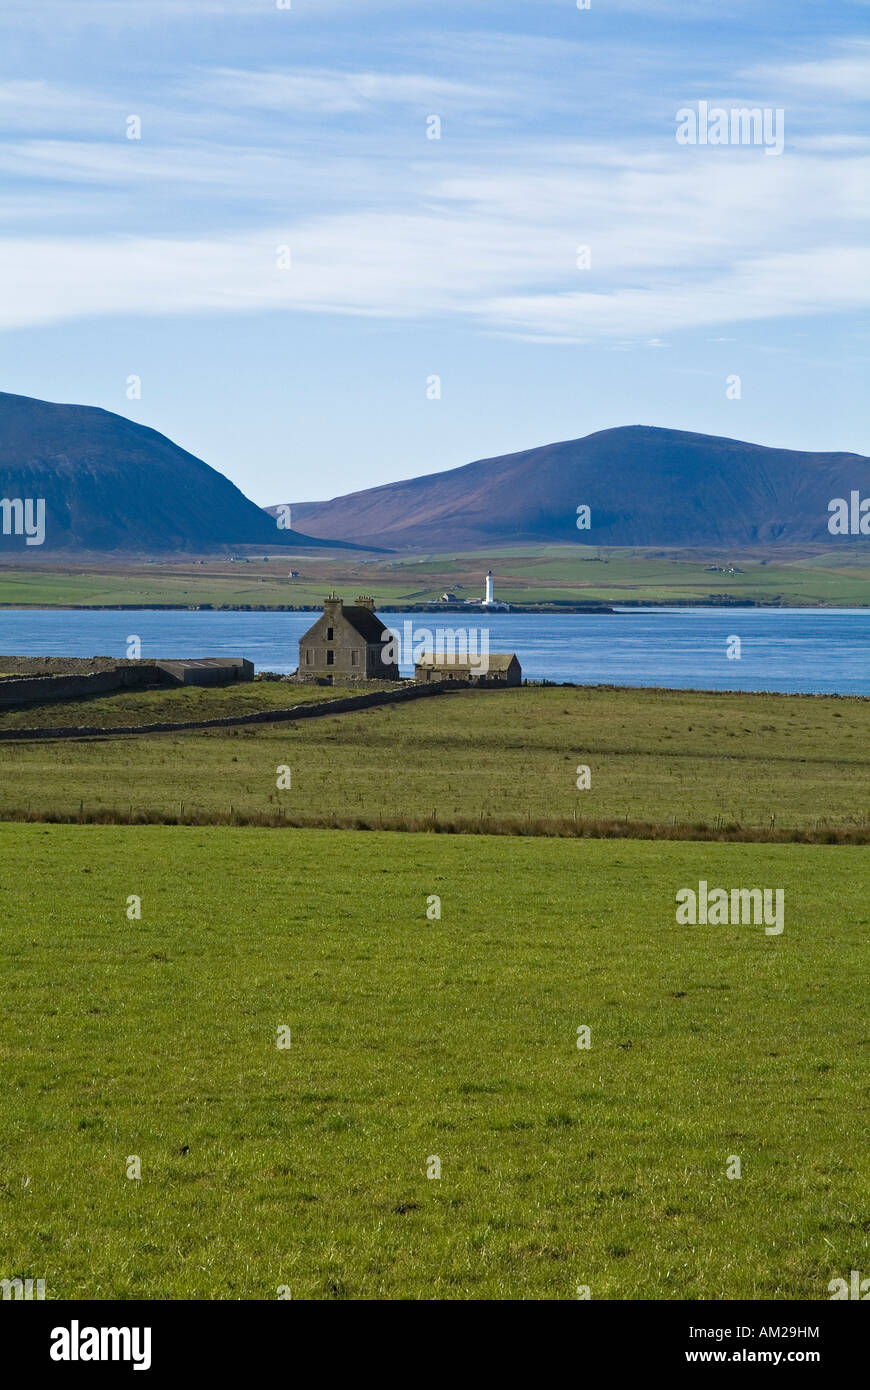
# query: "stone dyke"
{"points": [[36, 690], [312, 710]]}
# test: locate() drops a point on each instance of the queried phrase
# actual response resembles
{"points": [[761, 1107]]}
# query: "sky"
{"points": [[316, 296]]}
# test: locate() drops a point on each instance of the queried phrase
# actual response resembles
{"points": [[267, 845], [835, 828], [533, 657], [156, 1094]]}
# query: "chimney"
{"points": [[332, 606], [365, 601]]}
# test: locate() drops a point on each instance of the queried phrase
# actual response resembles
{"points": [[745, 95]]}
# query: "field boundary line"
{"points": [[541, 828], [310, 710]]}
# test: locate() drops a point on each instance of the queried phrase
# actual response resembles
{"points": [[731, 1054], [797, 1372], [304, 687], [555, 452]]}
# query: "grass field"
{"points": [[655, 756], [174, 704], [414, 1039], [523, 575]]}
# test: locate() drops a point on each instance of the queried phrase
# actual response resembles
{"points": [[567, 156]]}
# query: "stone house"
{"points": [[346, 643], [502, 668]]}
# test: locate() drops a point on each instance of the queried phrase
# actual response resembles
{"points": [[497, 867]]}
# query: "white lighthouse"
{"points": [[488, 601]]}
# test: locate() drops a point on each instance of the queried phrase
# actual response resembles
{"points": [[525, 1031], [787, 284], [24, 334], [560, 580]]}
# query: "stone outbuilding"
{"points": [[346, 643], [501, 668], [207, 670]]}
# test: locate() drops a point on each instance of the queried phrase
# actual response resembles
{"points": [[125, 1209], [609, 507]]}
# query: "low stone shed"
{"points": [[208, 670], [497, 668]]}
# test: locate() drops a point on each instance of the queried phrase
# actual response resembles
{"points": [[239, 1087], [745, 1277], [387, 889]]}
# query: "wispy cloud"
{"points": [[36, 105], [332, 92], [844, 73], [474, 228], [776, 286], [500, 252]]}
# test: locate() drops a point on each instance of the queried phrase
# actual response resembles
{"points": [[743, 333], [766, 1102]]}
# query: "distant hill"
{"points": [[112, 485], [644, 487]]}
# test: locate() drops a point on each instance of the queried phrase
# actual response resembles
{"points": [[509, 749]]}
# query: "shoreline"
{"points": [[548, 610]]}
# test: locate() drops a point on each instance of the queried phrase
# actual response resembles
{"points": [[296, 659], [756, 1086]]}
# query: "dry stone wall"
{"points": [[312, 710], [38, 690]]}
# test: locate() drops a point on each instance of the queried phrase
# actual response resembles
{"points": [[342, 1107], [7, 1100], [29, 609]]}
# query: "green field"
{"points": [[221, 586], [789, 575], [656, 756], [417, 1038], [169, 705], [414, 1039]]}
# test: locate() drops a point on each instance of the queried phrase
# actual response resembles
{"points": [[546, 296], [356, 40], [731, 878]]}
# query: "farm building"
{"points": [[499, 668], [347, 642], [208, 670]]}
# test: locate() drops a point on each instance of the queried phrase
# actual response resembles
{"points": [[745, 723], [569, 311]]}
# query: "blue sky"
{"points": [[306, 128]]}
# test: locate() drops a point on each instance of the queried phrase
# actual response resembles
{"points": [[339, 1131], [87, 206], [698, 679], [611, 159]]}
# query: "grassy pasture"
{"points": [[523, 575], [170, 704], [655, 756], [414, 1038]]}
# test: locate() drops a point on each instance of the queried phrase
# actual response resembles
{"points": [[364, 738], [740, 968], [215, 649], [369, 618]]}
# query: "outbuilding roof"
{"points": [[496, 661]]}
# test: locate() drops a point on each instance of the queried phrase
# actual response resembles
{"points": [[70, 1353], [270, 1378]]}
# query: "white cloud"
{"points": [[830, 279], [845, 74], [35, 105], [484, 229], [62, 14], [508, 278], [331, 91], [129, 161], [834, 144]]}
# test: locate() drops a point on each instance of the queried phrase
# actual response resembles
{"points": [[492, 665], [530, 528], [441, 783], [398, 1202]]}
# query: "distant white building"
{"points": [[489, 600]]}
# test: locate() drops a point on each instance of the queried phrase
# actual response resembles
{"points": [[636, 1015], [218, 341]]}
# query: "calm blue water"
{"points": [[781, 649]]}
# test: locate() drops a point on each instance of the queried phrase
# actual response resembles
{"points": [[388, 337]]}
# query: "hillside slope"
{"points": [[645, 486], [110, 484]]}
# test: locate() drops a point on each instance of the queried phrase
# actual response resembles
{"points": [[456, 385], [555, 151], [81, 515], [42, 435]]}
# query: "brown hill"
{"points": [[644, 486]]}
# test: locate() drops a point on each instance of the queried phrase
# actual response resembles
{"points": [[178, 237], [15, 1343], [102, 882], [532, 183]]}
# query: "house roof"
{"points": [[364, 621], [497, 661]]}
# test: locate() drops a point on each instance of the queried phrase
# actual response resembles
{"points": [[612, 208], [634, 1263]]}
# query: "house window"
{"points": [[308, 656], [354, 658], [330, 658], [330, 634]]}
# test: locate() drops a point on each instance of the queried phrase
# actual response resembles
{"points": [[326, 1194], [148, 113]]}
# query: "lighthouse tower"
{"points": [[488, 599]]}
